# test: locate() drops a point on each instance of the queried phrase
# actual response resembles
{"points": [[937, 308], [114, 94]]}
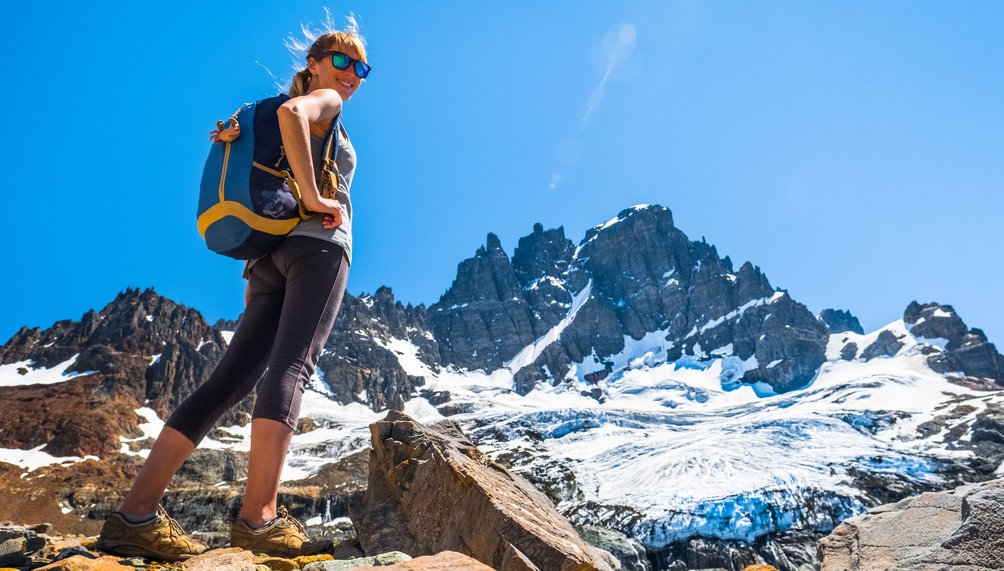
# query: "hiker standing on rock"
{"points": [[293, 297]]}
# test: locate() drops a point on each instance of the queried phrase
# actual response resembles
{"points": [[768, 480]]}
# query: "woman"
{"points": [[292, 298]]}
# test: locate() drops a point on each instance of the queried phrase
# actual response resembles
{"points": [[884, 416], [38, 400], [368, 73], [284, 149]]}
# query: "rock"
{"points": [[839, 321], [628, 551], [356, 364], [16, 543], [236, 559], [348, 549], [885, 345], [73, 551], [483, 319], [139, 349], [212, 467], [382, 560], [305, 425], [760, 568], [304, 560], [444, 561], [967, 351], [430, 489], [81, 563], [935, 321], [958, 529]]}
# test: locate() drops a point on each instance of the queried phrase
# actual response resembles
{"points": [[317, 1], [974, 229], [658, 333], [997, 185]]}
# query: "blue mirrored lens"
{"points": [[362, 69]]}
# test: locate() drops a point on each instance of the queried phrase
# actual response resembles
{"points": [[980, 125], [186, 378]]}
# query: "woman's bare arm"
{"points": [[295, 118]]}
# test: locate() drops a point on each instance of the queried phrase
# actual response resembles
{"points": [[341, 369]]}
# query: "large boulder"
{"points": [[431, 490], [959, 529]]}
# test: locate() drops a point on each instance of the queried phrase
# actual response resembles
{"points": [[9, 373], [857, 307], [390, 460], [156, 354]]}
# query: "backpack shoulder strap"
{"points": [[331, 144]]}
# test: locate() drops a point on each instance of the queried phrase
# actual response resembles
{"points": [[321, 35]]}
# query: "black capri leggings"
{"points": [[295, 294]]}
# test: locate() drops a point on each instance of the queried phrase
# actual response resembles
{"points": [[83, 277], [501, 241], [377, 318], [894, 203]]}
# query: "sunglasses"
{"points": [[343, 61]]}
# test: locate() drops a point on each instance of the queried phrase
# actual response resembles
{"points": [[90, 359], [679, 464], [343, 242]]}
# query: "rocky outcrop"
{"points": [[430, 489], [957, 529], [17, 543], [629, 552], [966, 352], [445, 561], [483, 319], [80, 418], [840, 320], [358, 366], [886, 344], [645, 277], [140, 349]]}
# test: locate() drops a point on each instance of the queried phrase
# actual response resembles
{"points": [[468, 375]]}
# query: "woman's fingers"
{"points": [[332, 221]]}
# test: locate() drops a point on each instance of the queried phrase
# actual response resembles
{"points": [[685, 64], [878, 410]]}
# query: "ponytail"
{"points": [[300, 84]]}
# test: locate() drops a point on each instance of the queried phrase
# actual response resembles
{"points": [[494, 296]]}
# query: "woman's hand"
{"points": [[331, 221], [328, 207]]}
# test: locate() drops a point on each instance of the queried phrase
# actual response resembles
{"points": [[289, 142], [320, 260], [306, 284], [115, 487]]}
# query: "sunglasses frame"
{"points": [[355, 64]]}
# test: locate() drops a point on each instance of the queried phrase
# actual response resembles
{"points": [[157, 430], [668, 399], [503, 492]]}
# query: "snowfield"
{"points": [[668, 452]]}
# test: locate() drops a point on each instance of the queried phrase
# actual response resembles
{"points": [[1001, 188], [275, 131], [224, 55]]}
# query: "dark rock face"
{"points": [[967, 351], [357, 365], [886, 345], [647, 276], [541, 263], [139, 349], [644, 276], [839, 321], [795, 551], [483, 319], [16, 543], [630, 552], [211, 467]]}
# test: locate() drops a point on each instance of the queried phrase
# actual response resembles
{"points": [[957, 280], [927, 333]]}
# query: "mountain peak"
{"points": [[493, 246], [840, 320]]}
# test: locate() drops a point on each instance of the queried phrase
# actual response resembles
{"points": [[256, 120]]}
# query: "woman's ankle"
{"points": [[256, 518], [137, 509]]}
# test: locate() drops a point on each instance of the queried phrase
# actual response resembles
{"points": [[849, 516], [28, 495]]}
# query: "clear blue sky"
{"points": [[853, 150]]}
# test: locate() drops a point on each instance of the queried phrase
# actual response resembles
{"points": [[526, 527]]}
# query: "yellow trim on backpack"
{"points": [[223, 175], [260, 223]]}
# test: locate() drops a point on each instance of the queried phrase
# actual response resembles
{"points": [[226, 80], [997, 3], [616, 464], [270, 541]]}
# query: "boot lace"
{"points": [[176, 530], [282, 513]]}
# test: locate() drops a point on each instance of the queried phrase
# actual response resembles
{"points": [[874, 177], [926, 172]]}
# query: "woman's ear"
{"points": [[312, 65]]}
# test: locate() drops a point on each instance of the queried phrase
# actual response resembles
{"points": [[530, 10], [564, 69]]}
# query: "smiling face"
{"points": [[344, 81]]}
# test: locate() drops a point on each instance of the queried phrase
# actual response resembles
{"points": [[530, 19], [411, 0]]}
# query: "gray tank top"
{"points": [[346, 161], [342, 235]]}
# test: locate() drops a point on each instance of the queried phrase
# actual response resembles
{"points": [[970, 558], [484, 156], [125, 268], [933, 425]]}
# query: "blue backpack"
{"points": [[248, 199]]}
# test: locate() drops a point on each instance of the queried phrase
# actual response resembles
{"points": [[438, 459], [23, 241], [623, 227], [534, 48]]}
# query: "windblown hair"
{"points": [[316, 44]]}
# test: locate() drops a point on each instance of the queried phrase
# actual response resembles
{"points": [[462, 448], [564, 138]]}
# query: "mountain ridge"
{"points": [[633, 353]]}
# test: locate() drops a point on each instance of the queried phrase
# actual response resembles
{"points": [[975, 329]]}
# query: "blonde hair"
{"points": [[320, 43]]}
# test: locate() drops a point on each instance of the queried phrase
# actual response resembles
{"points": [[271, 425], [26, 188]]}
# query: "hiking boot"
{"points": [[159, 538], [283, 537]]}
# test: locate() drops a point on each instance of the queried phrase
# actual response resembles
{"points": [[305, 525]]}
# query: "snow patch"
{"points": [[11, 373], [34, 459], [529, 354]]}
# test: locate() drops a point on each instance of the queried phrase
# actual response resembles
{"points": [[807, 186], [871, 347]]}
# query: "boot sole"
{"points": [[131, 550], [286, 554]]}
